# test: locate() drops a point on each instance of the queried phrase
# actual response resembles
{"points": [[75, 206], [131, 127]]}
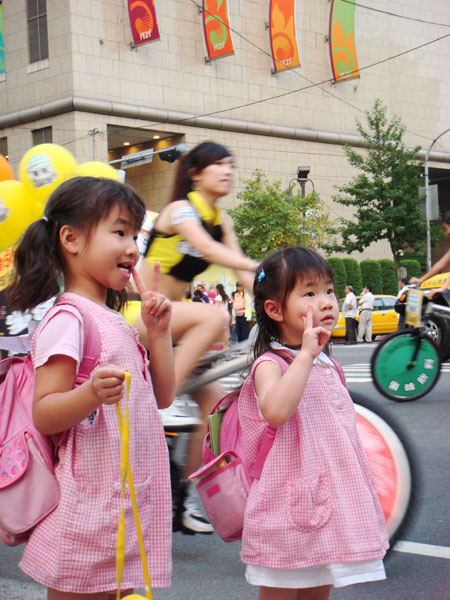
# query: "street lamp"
{"points": [[428, 199], [302, 178]]}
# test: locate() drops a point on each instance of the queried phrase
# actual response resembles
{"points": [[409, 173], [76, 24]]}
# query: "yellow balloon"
{"points": [[17, 211], [133, 597], [96, 168], [43, 168]]}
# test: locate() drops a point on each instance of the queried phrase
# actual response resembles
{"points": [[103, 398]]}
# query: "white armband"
{"points": [[184, 213]]}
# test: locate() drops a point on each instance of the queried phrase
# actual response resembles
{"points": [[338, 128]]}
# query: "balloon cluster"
{"points": [[42, 169]]}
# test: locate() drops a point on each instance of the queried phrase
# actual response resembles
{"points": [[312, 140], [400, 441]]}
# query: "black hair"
{"points": [[196, 160], [81, 202], [369, 287], [221, 290], [446, 217], [275, 279], [404, 281]]}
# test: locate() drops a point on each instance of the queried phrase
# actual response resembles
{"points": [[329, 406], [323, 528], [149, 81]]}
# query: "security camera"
{"points": [[303, 172]]}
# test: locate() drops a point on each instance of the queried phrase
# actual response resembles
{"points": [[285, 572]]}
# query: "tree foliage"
{"points": [[339, 275], [270, 218], [384, 194], [371, 275], [389, 276], [412, 268], [353, 272]]}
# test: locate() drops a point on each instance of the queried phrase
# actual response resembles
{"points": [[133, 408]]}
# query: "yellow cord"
{"points": [[125, 472]]}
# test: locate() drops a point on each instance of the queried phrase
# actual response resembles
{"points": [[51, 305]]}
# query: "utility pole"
{"points": [[93, 133], [428, 199]]}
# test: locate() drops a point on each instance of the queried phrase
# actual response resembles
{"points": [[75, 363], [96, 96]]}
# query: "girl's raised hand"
{"points": [[314, 338], [156, 309]]}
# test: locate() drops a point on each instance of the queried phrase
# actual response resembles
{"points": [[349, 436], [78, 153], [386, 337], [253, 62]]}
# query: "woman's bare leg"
{"points": [[195, 327]]}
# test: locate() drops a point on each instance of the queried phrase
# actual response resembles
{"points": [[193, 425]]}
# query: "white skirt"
{"points": [[337, 575]]}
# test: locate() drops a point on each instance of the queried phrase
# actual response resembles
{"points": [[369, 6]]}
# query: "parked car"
{"points": [[437, 328], [384, 317]]}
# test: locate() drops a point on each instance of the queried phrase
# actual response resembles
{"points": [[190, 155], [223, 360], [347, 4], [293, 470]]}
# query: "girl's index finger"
{"points": [[155, 277], [139, 282], [309, 317]]}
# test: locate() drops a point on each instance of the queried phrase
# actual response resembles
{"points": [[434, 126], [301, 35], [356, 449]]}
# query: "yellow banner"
{"points": [[283, 40]]}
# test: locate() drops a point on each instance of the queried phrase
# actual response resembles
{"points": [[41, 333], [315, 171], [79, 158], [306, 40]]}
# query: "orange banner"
{"points": [[283, 39], [216, 28], [144, 26]]}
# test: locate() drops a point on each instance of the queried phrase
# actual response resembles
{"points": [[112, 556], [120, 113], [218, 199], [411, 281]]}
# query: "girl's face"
{"points": [[310, 291], [110, 251], [216, 179]]}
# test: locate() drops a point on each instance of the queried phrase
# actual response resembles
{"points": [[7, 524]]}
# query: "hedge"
{"points": [[339, 275], [412, 267], [353, 272], [371, 275], [389, 277]]}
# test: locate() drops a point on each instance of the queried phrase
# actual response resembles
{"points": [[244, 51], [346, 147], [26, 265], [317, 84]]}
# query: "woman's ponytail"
{"points": [[38, 266]]}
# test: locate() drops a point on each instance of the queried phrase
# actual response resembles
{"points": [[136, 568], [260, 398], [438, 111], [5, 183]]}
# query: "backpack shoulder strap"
{"points": [[92, 342], [340, 370]]}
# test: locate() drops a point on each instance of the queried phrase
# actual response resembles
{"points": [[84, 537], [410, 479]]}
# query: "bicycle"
{"points": [[390, 455], [406, 365]]}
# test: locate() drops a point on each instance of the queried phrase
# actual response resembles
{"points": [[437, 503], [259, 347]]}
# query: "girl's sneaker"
{"points": [[193, 520]]}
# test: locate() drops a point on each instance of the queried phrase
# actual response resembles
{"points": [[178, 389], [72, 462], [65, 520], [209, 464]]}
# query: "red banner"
{"points": [[216, 27], [143, 23], [283, 38]]}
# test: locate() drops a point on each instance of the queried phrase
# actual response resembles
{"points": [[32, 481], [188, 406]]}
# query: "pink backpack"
{"points": [[29, 490], [225, 480]]}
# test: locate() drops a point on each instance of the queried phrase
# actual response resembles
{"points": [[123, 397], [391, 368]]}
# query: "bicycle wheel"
{"points": [[391, 371], [392, 464]]}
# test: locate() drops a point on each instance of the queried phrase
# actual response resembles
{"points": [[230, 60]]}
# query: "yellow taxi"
{"points": [[384, 317]]}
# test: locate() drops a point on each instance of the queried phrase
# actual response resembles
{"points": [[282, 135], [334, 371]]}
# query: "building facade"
{"points": [[72, 75]]}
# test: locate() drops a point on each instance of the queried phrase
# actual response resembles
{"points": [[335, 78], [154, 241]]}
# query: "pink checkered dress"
{"points": [[74, 548], [315, 503]]}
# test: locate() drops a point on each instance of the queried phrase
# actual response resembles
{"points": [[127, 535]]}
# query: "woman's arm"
{"points": [[57, 407], [435, 269], [214, 252], [230, 240]]}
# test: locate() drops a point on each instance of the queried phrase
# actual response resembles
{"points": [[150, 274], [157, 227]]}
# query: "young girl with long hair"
{"points": [[190, 233], [88, 237], [313, 519]]}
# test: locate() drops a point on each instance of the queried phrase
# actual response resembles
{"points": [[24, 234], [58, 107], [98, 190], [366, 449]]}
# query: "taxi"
{"points": [[384, 317], [437, 327]]}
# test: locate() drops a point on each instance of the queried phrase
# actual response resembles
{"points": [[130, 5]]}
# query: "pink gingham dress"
{"points": [[74, 548], [315, 503]]}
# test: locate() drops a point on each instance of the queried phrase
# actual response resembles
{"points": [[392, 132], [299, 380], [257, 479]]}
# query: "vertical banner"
{"points": [[216, 29], [2, 44], [143, 23], [283, 40], [344, 62]]}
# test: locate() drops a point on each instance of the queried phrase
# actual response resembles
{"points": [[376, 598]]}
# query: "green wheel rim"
{"points": [[392, 362]]}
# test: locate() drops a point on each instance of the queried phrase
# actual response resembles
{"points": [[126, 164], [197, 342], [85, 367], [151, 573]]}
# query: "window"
{"points": [[42, 136], [37, 29], [4, 146], [378, 304], [389, 302]]}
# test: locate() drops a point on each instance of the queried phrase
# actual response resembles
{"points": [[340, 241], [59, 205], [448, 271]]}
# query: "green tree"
{"points": [[384, 194], [371, 275], [389, 277], [353, 272], [412, 268], [270, 218], [339, 275]]}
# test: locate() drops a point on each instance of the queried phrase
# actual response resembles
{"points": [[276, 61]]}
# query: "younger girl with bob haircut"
{"points": [[88, 236], [313, 519]]}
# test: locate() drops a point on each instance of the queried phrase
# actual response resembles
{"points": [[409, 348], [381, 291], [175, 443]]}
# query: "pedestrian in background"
{"points": [[403, 288], [365, 314], [313, 518], [349, 314], [239, 309]]}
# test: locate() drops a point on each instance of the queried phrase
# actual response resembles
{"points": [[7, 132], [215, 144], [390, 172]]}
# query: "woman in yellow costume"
{"points": [[190, 233]]}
